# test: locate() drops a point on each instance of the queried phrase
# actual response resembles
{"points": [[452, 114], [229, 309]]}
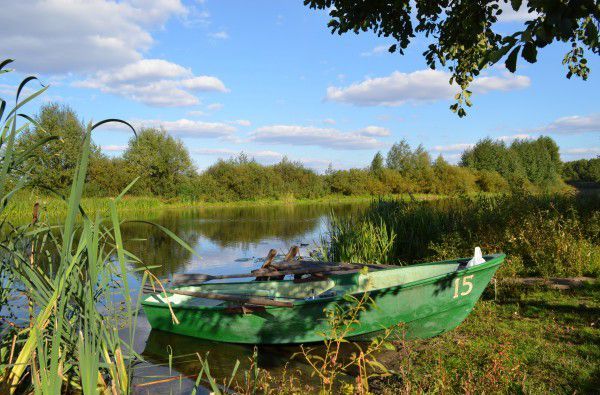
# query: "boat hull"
{"points": [[419, 309]]}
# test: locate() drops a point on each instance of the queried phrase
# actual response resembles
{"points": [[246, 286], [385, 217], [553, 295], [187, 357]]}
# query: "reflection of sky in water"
{"points": [[229, 240]]}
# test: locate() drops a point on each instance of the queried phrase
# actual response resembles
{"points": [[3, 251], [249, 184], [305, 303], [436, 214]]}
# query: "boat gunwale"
{"points": [[496, 260]]}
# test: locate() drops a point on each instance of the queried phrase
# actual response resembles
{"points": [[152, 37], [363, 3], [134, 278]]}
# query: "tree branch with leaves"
{"points": [[462, 33]]}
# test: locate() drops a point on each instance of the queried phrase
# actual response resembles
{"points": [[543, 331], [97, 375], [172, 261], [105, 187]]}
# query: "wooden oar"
{"points": [[191, 278], [254, 300]]}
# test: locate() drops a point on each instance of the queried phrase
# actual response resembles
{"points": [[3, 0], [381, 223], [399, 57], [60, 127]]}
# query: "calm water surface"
{"points": [[227, 240]]}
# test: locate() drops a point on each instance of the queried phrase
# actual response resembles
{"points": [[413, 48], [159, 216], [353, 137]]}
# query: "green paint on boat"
{"points": [[429, 299]]}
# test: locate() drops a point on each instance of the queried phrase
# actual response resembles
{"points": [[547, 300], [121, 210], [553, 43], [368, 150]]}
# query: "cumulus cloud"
{"points": [[506, 82], [189, 128], [574, 124], [155, 82], [310, 135], [374, 131], [86, 36], [416, 87], [521, 15]]}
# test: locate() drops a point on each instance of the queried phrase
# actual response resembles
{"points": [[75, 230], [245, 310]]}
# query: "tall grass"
{"points": [[543, 235], [74, 278]]}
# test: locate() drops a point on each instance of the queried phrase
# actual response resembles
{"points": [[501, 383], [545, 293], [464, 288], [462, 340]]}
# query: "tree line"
{"points": [[165, 168]]}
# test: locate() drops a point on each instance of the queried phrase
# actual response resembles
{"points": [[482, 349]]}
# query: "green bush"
{"points": [[582, 170], [453, 179], [491, 181]]}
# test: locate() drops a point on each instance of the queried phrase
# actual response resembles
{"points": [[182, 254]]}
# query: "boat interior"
{"points": [[289, 290]]}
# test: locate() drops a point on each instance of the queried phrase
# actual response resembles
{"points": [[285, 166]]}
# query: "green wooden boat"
{"points": [[428, 299]]}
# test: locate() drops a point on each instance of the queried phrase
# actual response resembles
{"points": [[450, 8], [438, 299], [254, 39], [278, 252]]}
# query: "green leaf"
{"points": [[529, 52], [511, 60], [516, 4]]}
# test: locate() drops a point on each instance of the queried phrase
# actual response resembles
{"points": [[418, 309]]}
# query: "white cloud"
{"points": [[155, 82], [204, 83], [60, 36], [452, 147], [374, 131], [416, 87], [507, 82], [329, 121], [114, 148], [521, 15], [378, 50], [189, 128], [590, 151], [574, 124], [222, 35], [309, 135], [196, 113]]}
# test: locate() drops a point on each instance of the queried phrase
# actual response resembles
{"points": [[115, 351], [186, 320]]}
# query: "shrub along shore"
{"points": [[165, 169], [543, 235]]}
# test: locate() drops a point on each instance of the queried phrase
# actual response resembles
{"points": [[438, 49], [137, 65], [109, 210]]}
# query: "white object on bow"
{"points": [[477, 258]]}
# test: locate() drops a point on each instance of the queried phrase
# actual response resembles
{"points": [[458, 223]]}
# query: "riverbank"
{"points": [[52, 207], [535, 341]]}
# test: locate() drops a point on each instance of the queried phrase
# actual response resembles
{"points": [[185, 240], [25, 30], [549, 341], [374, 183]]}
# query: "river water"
{"points": [[226, 240]]}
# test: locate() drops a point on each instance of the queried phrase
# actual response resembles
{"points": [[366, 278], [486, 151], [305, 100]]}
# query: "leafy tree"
{"points": [[493, 155], [463, 35], [107, 177], [353, 182], [399, 156], [413, 164], [491, 181], [452, 179], [395, 183], [377, 163], [242, 179], [161, 161], [539, 160], [299, 181], [582, 170], [56, 160]]}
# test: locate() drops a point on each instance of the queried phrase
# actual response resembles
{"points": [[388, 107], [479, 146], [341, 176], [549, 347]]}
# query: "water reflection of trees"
{"points": [[235, 227]]}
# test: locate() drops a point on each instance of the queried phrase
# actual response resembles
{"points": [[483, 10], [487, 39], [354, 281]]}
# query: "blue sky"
{"points": [[268, 78]]}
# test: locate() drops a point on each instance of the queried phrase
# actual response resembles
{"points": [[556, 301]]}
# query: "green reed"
{"points": [[543, 235], [74, 278]]}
